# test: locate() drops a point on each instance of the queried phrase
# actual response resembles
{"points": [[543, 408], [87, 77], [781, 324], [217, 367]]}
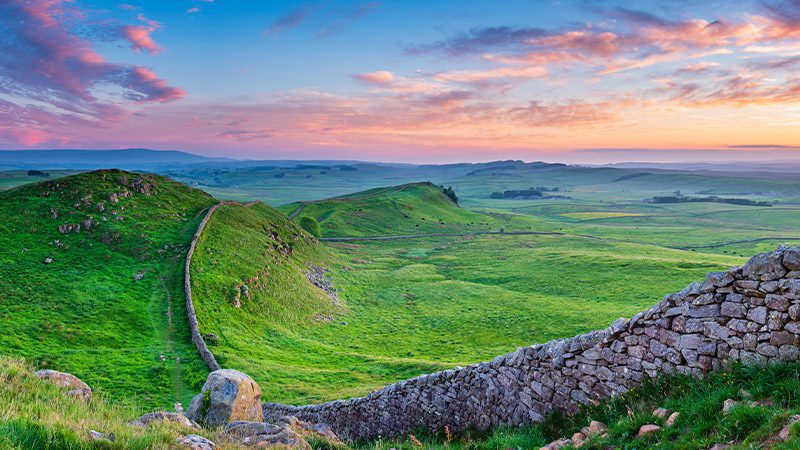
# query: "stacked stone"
{"points": [[750, 313]]}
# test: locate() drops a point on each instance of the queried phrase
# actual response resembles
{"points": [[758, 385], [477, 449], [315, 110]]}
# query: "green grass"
{"points": [[35, 414], [412, 306], [84, 313], [406, 209], [701, 423]]}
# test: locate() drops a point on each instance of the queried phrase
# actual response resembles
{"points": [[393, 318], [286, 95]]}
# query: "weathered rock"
{"points": [[791, 258], [227, 395], [163, 416], [646, 430], [661, 413], [48, 260], [672, 419], [74, 386], [557, 444], [98, 436], [264, 434], [595, 428], [195, 442], [578, 439], [786, 432], [728, 405]]}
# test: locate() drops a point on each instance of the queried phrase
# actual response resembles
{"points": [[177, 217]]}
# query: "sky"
{"points": [[405, 80]]}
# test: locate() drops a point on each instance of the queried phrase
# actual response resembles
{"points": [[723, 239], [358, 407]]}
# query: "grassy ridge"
{"points": [[261, 249], [405, 209], [85, 312]]}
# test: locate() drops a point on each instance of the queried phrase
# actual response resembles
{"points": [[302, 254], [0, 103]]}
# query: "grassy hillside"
{"points": [[103, 302], [411, 306], [405, 209], [37, 415], [256, 258]]}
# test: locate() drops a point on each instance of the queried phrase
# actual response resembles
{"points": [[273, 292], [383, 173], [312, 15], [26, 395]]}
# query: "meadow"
{"points": [[104, 303], [476, 279]]}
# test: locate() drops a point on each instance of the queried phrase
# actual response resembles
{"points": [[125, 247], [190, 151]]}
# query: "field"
{"points": [[462, 283], [414, 305], [85, 311]]}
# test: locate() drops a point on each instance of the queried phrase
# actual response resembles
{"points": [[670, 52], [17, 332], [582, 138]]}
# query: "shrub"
{"points": [[311, 226]]}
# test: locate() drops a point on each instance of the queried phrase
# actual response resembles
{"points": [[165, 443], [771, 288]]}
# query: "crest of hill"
{"points": [[91, 281], [257, 280], [416, 208]]}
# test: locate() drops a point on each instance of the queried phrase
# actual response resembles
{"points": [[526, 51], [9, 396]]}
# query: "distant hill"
{"points": [[128, 159]]}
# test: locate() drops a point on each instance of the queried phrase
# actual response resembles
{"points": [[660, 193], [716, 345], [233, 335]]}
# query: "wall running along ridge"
{"points": [[749, 313], [197, 338]]}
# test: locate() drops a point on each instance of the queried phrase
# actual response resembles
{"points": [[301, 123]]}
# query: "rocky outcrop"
{"points": [[749, 313], [162, 416], [74, 386], [195, 442], [227, 395]]}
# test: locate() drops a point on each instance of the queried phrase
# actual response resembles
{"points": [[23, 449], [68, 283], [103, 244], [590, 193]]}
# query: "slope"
{"points": [[417, 208], [90, 272], [252, 290]]}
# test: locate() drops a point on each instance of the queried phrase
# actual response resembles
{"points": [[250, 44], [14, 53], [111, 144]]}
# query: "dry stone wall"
{"points": [[191, 314], [749, 313]]}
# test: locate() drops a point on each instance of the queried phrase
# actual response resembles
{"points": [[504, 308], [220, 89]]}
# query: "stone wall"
{"points": [[749, 313], [197, 338]]}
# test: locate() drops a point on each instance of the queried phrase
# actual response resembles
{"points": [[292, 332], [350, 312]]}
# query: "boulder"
{"points": [[595, 428], [75, 387], [101, 437], [672, 419], [728, 405], [786, 432], [195, 442], [162, 416], [646, 430], [557, 444], [227, 395], [661, 413], [261, 434], [791, 258]]}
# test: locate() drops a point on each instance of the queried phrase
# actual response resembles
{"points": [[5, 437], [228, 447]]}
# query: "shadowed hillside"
{"points": [[91, 272]]}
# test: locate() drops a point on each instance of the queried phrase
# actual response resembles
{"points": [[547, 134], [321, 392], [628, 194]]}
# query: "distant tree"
{"points": [[311, 226], [38, 173], [450, 192]]}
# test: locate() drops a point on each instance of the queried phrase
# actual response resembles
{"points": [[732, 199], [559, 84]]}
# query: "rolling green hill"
{"points": [[410, 306], [417, 208], [90, 276]]}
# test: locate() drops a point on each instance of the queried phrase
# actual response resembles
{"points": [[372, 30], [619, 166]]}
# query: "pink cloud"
{"points": [[378, 78], [139, 35], [54, 74]]}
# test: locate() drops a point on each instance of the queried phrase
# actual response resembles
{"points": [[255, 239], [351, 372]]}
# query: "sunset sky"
{"points": [[402, 80]]}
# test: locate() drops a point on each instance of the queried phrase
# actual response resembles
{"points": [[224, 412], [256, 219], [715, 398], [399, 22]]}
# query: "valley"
{"points": [[318, 319]]}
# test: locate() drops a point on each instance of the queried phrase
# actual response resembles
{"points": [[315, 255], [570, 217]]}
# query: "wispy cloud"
{"points": [[335, 19], [290, 20], [346, 18]]}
